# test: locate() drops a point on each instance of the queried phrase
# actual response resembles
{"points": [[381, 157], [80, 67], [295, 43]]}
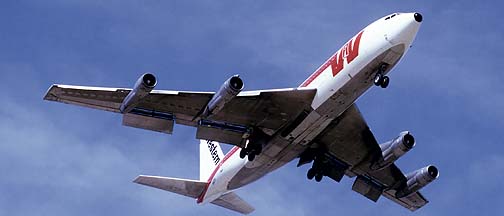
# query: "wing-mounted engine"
{"points": [[226, 93], [394, 149], [142, 88], [139, 117], [223, 132], [417, 180]]}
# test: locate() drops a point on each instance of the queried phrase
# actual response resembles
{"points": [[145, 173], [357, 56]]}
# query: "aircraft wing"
{"points": [[265, 109], [185, 105], [352, 148]]}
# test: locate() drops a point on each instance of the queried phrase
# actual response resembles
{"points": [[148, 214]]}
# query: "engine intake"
{"points": [[226, 93], [418, 179], [142, 88], [394, 149]]}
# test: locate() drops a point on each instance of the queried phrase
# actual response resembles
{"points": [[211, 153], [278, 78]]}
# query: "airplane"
{"points": [[317, 123]]}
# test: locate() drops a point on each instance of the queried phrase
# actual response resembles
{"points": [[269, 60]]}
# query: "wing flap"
{"points": [[411, 202], [233, 202], [189, 188], [150, 121]]}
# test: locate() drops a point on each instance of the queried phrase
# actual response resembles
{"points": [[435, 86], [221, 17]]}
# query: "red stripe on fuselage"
{"points": [[318, 71], [210, 179]]}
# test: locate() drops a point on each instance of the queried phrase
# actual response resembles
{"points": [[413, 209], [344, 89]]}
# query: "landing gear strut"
{"points": [[380, 79]]}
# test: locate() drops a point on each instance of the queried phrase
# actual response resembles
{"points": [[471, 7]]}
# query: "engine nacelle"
{"points": [[142, 88], [394, 149], [226, 93], [417, 180]]}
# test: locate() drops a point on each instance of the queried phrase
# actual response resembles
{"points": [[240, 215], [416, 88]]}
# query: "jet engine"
{"points": [[394, 149], [226, 93], [417, 180], [142, 88]]}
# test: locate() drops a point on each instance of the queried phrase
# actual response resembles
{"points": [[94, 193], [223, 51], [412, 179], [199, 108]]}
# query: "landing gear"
{"points": [[243, 153], [251, 151], [318, 177], [316, 171], [251, 156], [380, 79], [254, 144], [311, 173]]}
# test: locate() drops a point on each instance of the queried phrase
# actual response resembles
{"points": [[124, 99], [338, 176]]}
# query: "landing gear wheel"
{"points": [[383, 67], [243, 153], [318, 177], [251, 156], [311, 173], [378, 79], [258, 149], [385, 82]]}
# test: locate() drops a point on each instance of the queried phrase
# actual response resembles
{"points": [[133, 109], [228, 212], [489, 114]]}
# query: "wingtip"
{"points": [[48, 95], [138, 179]]}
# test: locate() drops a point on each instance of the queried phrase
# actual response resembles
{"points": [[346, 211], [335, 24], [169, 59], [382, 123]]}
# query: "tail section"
{"points": [[210, 156]]}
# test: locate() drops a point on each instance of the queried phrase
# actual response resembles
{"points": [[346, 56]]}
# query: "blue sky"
{"points": [[65, 160]]}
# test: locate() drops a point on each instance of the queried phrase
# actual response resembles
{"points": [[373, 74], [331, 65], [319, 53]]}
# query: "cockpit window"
{"points": [[391, 16]]}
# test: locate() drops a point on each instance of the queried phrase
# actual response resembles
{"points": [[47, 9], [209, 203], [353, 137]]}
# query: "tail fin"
{"points": [[210, 156]]}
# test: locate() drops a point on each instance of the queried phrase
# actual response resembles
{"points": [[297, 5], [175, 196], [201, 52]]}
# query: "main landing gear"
{"points": [[380, 79], [316, 171], [254, 144], [251, 150]]}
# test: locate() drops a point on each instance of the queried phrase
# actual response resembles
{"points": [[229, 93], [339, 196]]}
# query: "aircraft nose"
{"points": [[418, 17], [403, 28]]}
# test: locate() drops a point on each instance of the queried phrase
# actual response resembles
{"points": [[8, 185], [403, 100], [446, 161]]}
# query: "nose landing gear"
{"points": [[380, 79]]}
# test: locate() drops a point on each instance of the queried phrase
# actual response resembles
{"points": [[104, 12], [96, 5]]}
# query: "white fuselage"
{"points": [[343, 78]]}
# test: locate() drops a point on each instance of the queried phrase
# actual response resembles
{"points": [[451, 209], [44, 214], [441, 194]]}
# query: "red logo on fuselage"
{"points": [[349, 51]]}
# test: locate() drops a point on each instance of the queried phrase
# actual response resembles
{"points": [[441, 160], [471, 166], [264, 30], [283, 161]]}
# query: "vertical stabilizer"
{"points": [[210, 156]]}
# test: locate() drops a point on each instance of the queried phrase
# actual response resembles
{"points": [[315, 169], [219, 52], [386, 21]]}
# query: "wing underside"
{"points": [[350, 142], [265, 109]]}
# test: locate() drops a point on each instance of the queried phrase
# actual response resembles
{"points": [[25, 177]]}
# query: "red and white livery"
{"points": [[316, 123]]}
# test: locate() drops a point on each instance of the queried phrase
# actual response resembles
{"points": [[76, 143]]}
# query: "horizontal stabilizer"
{"points": [[190, 188], [233, 202], [412, 202]]}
